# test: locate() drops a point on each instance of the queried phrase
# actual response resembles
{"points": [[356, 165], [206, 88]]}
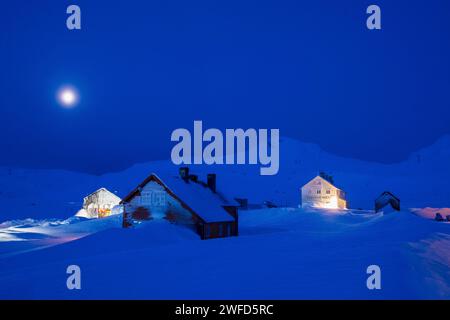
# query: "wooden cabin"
{"points": [[387, 202], [182, 199]]}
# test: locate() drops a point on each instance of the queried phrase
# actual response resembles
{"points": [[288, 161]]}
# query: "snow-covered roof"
{"points": [[323, 180], [102, 190], [196, 196]]}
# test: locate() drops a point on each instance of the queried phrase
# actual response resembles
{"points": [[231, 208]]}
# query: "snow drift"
{"points": [[280, 253]]}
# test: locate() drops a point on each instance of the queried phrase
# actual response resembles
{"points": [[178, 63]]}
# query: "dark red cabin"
{"points": [[182, 199]]}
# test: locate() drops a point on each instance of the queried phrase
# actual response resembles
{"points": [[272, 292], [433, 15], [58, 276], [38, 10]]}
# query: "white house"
{"points": [[321, 193], [99, 204]]}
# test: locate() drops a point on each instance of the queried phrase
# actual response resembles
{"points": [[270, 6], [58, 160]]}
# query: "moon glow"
{"points": [[67, 97]]}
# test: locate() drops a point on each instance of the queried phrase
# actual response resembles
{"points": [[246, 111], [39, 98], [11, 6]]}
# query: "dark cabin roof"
{"points": [[195, 196], [387, 194], [387, 198]]}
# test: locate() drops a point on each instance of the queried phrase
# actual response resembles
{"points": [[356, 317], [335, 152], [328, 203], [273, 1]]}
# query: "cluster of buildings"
{"points": [[186, 199]]}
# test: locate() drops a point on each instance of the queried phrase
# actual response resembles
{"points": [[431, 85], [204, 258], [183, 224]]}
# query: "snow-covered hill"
{"points": [[421, 181]]}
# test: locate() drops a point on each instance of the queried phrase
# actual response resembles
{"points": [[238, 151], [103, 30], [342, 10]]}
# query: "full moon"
{"points": [[67, 97]]}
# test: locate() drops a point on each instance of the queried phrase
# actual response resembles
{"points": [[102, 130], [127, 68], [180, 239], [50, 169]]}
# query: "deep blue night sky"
{"points": [[145, 68]]}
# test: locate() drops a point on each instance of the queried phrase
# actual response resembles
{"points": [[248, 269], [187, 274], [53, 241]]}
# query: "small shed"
{"points": [[182, 199], [100, 203], [387, 199], [321, 193]]}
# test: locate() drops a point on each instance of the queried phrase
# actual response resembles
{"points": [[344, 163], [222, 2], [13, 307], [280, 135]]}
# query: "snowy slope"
{"points": [[280, 254], [421, 181], [20, 236]]}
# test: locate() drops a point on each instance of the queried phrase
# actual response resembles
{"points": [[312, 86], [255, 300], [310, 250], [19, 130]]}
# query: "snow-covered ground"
{"points": [[280, 253], [20, 236]]}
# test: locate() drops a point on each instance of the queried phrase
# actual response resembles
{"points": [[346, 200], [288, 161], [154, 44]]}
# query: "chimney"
{"points": [[211, 181], [243, 202], [184, 173], [193, 177]]}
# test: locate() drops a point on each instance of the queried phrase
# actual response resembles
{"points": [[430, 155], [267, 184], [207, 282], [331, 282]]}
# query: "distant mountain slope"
{"points": [[423, 180]]}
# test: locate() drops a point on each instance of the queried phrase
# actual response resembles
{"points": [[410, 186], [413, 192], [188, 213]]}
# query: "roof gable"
{"points": [[322, 181], [102, 190], [386, 195], [194, 196]]}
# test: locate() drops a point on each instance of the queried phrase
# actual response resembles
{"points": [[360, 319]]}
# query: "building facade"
{"points": [[100, 203], [320, 193], [184, 200]]}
